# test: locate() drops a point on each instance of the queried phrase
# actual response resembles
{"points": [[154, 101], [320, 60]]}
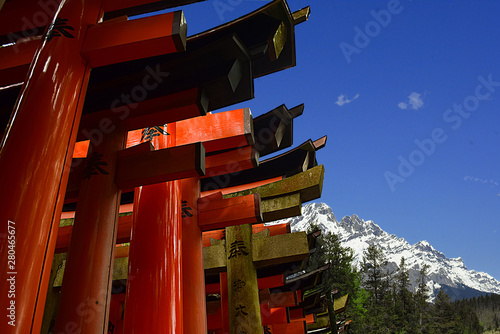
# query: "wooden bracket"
{"points": [[164, 165], [220, 213], [122, 40]]}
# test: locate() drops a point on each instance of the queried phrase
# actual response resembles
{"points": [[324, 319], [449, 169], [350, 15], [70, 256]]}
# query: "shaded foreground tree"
{"points": [[381, 301], [487, 308], [444, 314], [453, 317], [377, 283], [404, 302], [342, 275], [421, 301]]}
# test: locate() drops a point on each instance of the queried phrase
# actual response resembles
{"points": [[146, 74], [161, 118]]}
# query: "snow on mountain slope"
{"points": [[449, 273]]}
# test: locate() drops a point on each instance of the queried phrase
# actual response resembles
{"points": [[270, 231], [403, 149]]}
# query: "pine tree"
{"points": [[341, 274], [444, 314], [404, 312], [467, 321], [377, 283], [421, 297], [375, 274]]}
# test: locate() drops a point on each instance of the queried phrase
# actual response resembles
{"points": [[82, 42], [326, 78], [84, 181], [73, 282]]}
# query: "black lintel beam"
{"points": [[287, 164], [222, 69], [263, 32]]}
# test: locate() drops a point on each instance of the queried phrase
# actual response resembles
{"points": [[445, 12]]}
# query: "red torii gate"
{"points": [[64, 116], [279, 304], [42, 142], [214, 210]]}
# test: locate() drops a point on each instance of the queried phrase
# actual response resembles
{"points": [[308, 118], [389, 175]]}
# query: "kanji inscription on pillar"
{"points": [[236, 249], [240, 311], [243, 292], [59, 28], [186, 209], [149, 133], [238, 284], [95, 165]]}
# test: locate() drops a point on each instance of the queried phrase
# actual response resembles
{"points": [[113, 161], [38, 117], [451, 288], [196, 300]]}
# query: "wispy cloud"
{"points": [[342, 99], [402, 105], [414, 102]]}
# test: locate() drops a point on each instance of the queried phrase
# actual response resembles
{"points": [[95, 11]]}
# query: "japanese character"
{"points": [[94, 164], [59, 28], [185, 210], [155, 131], [238, 285], [237, 248], [240, 310]]}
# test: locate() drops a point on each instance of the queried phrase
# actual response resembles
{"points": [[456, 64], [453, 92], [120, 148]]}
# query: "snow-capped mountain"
{"points": [[450, 274]]}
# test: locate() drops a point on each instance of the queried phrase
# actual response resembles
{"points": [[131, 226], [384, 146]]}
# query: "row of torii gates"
{"points": [[106, 125]]}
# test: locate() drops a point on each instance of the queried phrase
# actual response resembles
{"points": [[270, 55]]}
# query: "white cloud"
{"points": [[402, 105], [342, 99], [414, 101]]}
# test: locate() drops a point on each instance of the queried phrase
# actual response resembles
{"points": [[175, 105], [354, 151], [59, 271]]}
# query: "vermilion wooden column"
{"points": [[86, 290], [193, 274], [154, 283], [38, 141], [224, 304]]}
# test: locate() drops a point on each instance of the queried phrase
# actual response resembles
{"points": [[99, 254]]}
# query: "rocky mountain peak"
{"points": [[448, 273]]}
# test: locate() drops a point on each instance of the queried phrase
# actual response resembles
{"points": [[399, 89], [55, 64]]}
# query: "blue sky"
{"points": [[408, 93]]}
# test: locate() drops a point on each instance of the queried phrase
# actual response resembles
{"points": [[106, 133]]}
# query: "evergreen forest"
{"points": [[384, 301]]}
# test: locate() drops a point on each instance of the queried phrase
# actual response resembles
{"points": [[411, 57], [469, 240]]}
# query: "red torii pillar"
{"points": [[46, 117], [231, 129], [224, 295], [239, 133], [34, 152], [193, 273], [154, 283], [86, 291], [90, 292]]}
